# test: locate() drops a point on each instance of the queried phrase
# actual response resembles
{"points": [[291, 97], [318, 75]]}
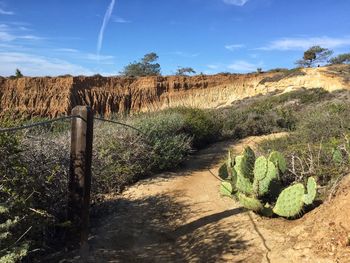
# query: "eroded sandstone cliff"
{"points": [[116, 95]]}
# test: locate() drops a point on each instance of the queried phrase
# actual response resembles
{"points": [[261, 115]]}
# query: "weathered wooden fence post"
{"points": [[80, 171]]}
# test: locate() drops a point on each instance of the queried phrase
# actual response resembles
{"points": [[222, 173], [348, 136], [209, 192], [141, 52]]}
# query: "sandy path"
{"points": [[181, 217]]}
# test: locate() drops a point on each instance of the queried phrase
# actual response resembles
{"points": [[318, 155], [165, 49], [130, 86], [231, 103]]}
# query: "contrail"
{"points": [[103, 27]]}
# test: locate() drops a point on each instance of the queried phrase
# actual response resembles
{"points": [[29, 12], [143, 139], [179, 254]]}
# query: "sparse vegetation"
{"points": [[18, 74], [340, 59], [283, 74], [146, 67], [185, 71], [314, 55], [318, 146]]}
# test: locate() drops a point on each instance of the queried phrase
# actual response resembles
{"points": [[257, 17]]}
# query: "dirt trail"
{"points": [[181, 217]]}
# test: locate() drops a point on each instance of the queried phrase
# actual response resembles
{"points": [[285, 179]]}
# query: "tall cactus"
{"points": [[256, 181]]}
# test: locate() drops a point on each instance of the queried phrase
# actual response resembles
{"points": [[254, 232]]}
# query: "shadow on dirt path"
{"points": [[181, 217], [152, 229]]}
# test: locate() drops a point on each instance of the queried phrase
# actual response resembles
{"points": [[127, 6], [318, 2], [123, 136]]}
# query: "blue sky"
{"points": [[54, 37]]}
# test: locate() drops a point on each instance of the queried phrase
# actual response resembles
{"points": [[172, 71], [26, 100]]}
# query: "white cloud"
{"points": [[185, 54], [305, 43], [104, 25], [8, 37], [243, 66], [234, 47], [23, 28], [34, 65], [102, 59], [67, 50], [76, 54], [3, 27], [236, 2], [4, 36], [4, 12], [213, 66], [120, 20]]}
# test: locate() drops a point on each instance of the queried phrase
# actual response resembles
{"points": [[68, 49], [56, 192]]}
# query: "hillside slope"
{"points": [[116, 95]]}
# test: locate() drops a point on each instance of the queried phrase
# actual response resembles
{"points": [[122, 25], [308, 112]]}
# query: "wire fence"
{"points": [[35, 167], [52, 169]]}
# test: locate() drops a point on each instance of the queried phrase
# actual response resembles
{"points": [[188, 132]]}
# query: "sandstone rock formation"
{"points": [[117, 95]]}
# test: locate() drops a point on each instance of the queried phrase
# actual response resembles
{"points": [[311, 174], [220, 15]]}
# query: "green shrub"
{"points": [[33, 182], [122, 156], [319, 146], [166, 139], [324, 122], [10, 226], [200, 125], [166, 134], [267, 114], [253, 121]]}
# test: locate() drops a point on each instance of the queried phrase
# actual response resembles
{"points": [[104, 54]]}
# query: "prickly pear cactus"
{"points": [[278, 160], [264, 172], [310, 196], [226, 189], [256, 184], [250, 202], [291, 201]]}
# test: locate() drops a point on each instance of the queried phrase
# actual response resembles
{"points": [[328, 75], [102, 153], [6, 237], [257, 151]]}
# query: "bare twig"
{"points": [[19, 239], [334, 188], [319, 153]]}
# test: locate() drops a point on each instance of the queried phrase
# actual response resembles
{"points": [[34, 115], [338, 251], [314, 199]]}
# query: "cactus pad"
{"points": [[226, 189], [271, 174], [250, 202], [337, 156], [278, 160], [264, 172], [291, 201], [249, 155], [242, 169], [223, 172], [311, 191], [260, 168]]}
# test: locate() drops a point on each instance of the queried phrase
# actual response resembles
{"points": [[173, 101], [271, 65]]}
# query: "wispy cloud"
{"points": [[236, 2], [4, 12], [234, 47], [213, 66], [185, 54], [304, 43], [244, 66], [104, 59], [66, 50], [104, 25], [117, 19], [77, 54], [10, 32], [8, 37], [34, 65]]}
